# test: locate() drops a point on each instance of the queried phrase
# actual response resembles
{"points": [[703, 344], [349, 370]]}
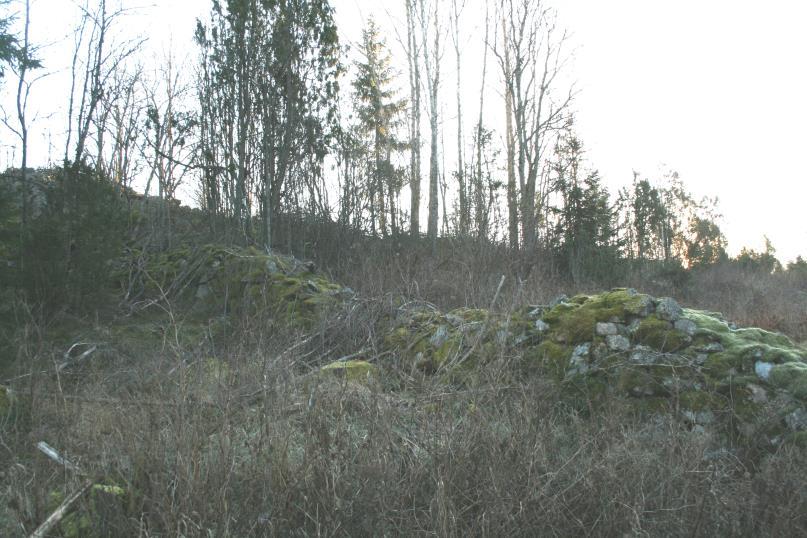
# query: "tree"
{"points": [[706, 244], [378, 111], [267, 96], [531, 57], [457, 7], [759, 262], [413, 59], [21, 58], [583, 232], [431, 35], [10, 51]]}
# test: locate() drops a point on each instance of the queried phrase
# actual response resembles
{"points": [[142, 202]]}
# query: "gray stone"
{"points": [[439, 337], [617, 342], [667, 308], [797, 420], [560, 299], [763, 369], [758, 394], [643, 355], [536, 311], [606, 329], [699, 417], [634, 325], [599, 352], [202, 291], [541, 326], [578, 363], [711, 347], [686, 326]]}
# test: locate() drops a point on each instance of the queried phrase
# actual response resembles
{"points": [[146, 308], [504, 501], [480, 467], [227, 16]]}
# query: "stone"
{"points": [[617, 342], [758, 394], [763, 369], [645, 355], [560, 299], [355, 370], [536, 311], [699, 417], [578, 363], [686, 326], [439, 337], [667, 308], [797, 420], [712, 347], [202, 291], [606, 329], [541, 326]]}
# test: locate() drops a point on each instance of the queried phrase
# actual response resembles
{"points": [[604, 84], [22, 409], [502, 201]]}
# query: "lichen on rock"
{"points": [[352, 370]]}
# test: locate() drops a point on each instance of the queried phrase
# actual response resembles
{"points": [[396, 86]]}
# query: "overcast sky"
{"points": [[713, 89]]}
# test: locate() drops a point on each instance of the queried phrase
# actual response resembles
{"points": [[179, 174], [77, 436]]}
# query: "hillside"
{"points": [[237, 392]]}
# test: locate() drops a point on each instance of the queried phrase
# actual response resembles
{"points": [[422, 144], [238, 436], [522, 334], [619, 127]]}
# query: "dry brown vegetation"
{"points": [[242, 436]]}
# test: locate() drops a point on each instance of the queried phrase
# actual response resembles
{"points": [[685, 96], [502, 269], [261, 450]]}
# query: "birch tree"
{"points": [[532, 57]]}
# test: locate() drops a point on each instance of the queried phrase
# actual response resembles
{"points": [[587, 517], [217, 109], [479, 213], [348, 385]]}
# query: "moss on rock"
{"points": [[735, 351], [792, 377], [575, 322], [354, 370], [659, 334]]}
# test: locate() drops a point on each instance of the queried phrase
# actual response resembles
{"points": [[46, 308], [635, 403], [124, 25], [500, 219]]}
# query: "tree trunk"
{"points": [[512, 194], [414, 123]]}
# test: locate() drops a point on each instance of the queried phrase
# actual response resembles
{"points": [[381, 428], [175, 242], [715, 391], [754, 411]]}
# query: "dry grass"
{"points": [[256, 443]]}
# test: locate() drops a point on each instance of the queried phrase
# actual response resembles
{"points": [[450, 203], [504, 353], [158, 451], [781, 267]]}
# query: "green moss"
{"points": [[551, 357], [448, 350], [792, 377], [355, 370], [700, 400], [574, 322], [81, 523], [741, 347], [471, 314], [659, 334], [644, 381]]}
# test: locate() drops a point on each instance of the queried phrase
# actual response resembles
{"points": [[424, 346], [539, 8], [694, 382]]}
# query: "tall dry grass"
{"points": [[240, 436]]}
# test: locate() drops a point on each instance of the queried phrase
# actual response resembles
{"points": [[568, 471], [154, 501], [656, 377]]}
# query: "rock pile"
{"points": [[651, 352]]}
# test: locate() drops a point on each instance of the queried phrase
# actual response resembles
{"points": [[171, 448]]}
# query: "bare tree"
{"points": [[478, 187], [24, 62], [431, 33], [531, 57], [457, 7], [103, 57], [413, 57]]}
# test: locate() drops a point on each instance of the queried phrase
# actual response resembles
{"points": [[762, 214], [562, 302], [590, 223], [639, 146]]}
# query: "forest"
{"points": [[298, 284]]}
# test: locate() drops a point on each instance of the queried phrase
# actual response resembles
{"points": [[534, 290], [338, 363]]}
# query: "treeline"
{"points": [[273, 123]]}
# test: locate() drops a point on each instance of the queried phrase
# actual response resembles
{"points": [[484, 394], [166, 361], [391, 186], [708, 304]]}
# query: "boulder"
{"points": [[668, 309]]}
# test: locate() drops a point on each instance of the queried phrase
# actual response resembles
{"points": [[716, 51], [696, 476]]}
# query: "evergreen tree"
{"points": [[584, 230], [268, 106], [379, 113]]}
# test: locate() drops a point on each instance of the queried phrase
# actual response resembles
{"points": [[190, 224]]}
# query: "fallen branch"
{"points": [[63, 510], [70, 361], [53, 454]]}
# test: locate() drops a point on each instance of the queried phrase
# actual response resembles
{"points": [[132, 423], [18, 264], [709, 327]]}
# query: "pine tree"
{"points": [[379, 114]]}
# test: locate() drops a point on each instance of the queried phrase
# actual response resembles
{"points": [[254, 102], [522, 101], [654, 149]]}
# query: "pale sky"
{"points": [[713, 89]]}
